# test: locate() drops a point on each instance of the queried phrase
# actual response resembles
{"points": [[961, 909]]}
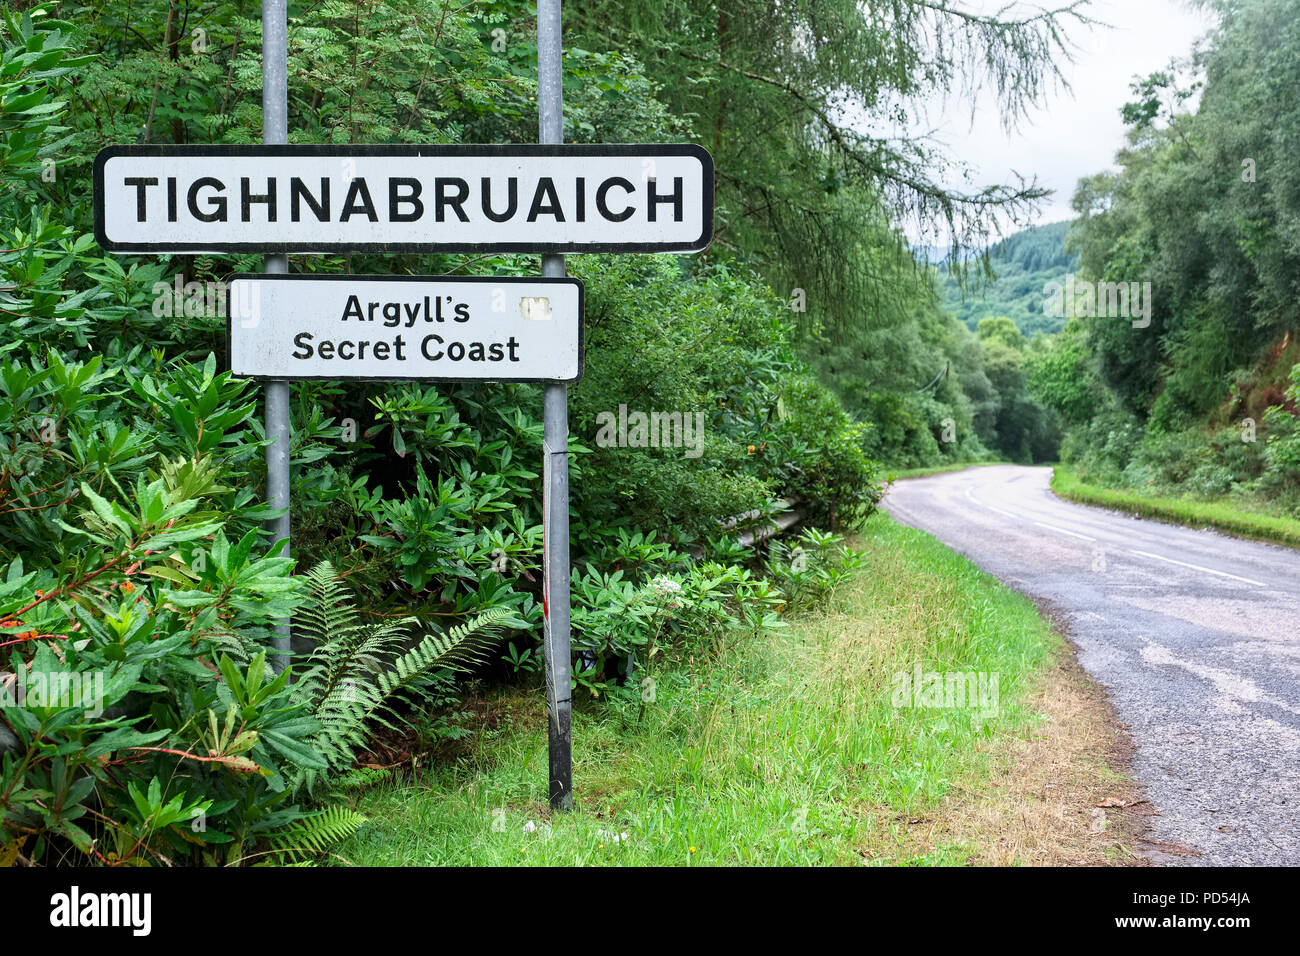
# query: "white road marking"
{"points": [[1005, 514], [1072, 534], [1197, 567], [1228, 683]]}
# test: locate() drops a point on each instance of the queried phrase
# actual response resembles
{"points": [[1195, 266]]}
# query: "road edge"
{"points": [[1245, 526]]}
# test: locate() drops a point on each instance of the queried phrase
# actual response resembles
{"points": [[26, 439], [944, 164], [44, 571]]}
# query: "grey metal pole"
{"points": [[275, 131], [555, 455]]}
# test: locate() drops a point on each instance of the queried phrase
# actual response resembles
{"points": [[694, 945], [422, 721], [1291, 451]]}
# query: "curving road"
{"points": [[1195, 634]]}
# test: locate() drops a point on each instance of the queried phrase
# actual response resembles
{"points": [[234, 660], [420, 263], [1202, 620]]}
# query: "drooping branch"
{"points": [[883, 167]]}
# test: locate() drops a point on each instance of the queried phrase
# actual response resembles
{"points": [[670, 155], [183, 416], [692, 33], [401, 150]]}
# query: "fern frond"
{"points": [[314, 834], [238, 647], [362, 778], [345, 652], [457, 650], [328, 612], [357, 673]]}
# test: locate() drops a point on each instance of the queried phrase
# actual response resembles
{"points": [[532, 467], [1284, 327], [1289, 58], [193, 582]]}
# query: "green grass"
{"points": [[1226, 516], [897, 474], [781, 750]]}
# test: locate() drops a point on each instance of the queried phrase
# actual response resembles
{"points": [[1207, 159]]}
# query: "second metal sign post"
{"points": [[548, 199]]}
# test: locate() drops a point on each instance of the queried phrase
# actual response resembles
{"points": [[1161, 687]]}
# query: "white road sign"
{"points": [[553, 199], [491, 329]]}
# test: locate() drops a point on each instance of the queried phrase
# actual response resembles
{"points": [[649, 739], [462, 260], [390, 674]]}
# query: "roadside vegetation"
{"points": [[898, 475], [1239, 517], [795, 748], [1021, 264], [1190, 413], [135, 568]]}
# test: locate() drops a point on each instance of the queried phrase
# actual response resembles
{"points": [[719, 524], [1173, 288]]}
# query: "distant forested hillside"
{"points": [[1022, 264], [1203, 395]]}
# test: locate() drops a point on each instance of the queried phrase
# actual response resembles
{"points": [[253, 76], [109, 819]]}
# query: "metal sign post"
{"points": [[555, 459], [275, 131], [547, 199]]}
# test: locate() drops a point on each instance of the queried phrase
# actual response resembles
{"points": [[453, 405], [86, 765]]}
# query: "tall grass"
{"points": [[781, 751]]}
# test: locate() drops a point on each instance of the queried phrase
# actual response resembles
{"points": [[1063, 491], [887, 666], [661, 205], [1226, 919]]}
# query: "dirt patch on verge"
{"points": [[1059, 793]]}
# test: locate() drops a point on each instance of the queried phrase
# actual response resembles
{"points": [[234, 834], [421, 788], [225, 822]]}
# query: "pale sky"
{"points": [[1078, 132]]}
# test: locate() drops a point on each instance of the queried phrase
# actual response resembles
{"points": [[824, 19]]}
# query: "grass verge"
{"points": [[791, 750], [1215, 514], [893, 474]]}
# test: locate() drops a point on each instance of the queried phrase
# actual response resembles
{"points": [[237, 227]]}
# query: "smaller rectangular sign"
{"points": [[405, 328]]}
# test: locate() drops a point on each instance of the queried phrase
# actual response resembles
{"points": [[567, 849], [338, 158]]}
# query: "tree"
{"points": [[817, 206]]}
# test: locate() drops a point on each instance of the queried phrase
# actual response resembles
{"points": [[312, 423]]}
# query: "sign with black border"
{"points": [[397, 199], [416, 328]]}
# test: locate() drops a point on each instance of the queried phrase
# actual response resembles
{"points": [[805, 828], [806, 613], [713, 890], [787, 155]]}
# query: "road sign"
{"points": [[405, 328], [530, 198], [547, 199]]}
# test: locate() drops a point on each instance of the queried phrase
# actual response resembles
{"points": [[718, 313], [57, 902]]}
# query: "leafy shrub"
{"points": [[1210, 480], [1283, 449], [808, 570], [714, 343], [132, 549], [617, 623]]}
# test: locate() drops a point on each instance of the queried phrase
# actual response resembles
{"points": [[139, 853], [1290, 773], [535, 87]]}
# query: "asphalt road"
{"points": [[1195, 634]]}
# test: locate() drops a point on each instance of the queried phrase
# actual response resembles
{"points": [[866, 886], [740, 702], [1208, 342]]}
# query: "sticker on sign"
{"points": [[541, 199], [405, 328]]}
